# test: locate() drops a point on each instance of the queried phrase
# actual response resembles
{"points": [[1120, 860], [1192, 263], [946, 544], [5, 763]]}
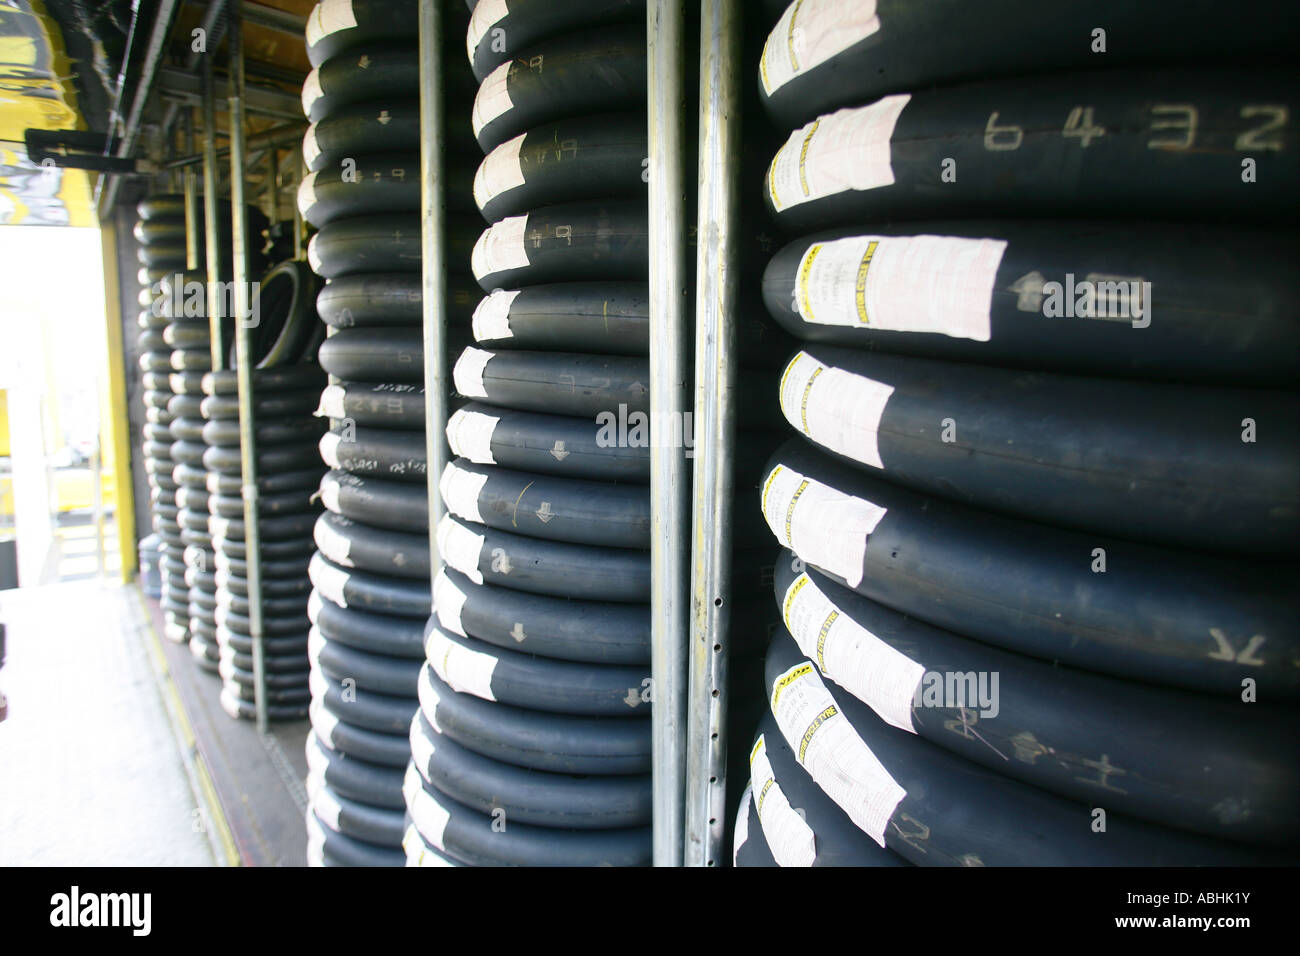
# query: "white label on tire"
{"points": [[329, 16], [847, 149], [742, 824], [469, 434], [332, 402], [322, 721], [313, 255], [314, 604], [464, 670], [933, 284], [880, 676], [460, 548], [330, 582], [827, 746], [429, 816], [835, 408], [429, 696], [332, 544], [825, 527], [218, 528], [492, 316], [325, 805], [788, 835], [329, 449], [329, 493], [501, 247], [460, 489], [468, 373], [311, 91], [417, 854], [809, 33], [500, 171], [310, 148], [493, 98], [422, 748], [487, 14], [307, 194], [448, 601]]}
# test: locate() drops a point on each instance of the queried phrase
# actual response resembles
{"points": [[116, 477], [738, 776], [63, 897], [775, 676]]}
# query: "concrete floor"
{"points": [[90, 770]]}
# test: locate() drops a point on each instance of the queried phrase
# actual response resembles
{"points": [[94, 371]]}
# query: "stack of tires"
{"points": [[1039, 596], [370, 573], [160, 232], [532, 743], [286, 386], [189, 336]]}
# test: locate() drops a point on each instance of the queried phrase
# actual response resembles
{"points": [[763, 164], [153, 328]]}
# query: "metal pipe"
{"points": [[715, 413], [273, 184], [669, 414], [214, 29], [244, 364], [287, 134], [432, 251], [299, 250], [210, 227]]}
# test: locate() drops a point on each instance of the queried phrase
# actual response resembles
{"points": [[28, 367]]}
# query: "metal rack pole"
{"points": [[715, 413], [432, 249], [210, 227], [190, 185], [669, 408], [242, 300]]}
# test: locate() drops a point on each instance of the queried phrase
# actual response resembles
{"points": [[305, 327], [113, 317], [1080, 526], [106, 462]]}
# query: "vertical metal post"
{"points": [[299, 250], [189, 180], [273, 184], [210, 228], [715, 412], [669, 408], [432, 250], [244, 362]]}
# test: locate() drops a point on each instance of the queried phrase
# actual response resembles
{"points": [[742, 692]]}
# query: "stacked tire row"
{"points": [[370, 574], [160, 231], [1041, 519], [532, 742], [286, 387]]}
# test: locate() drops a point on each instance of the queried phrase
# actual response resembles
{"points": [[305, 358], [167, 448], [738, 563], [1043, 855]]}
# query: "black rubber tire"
{"points": [[225, 459], [1235, 323], [537, 683], [388, 124], [224, 432], [267, 382], [380, 405], [941, 42], [603, 317], [371, 71], [274, 530], [388, 243], [336, 26], [367, 783], [1033, 168], [561, 569], [380, 453], [387, 750], [371, 593], [1153, 462], [355, 545], [266, 405], [373, 673], [592, 239], [327, 847], [590, 71], [1031, 589], [375, 355], [523, 23], [272, 505], [545, 444], [557, 743], [399, 505], [554, 509], [400, 639], [596, 632], [1170, 757], [533, 797], [969, 815], [372, 825], [584, 157], [377, 712], [391, 298], [558, 383], [470, 837], [368, 184]]}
